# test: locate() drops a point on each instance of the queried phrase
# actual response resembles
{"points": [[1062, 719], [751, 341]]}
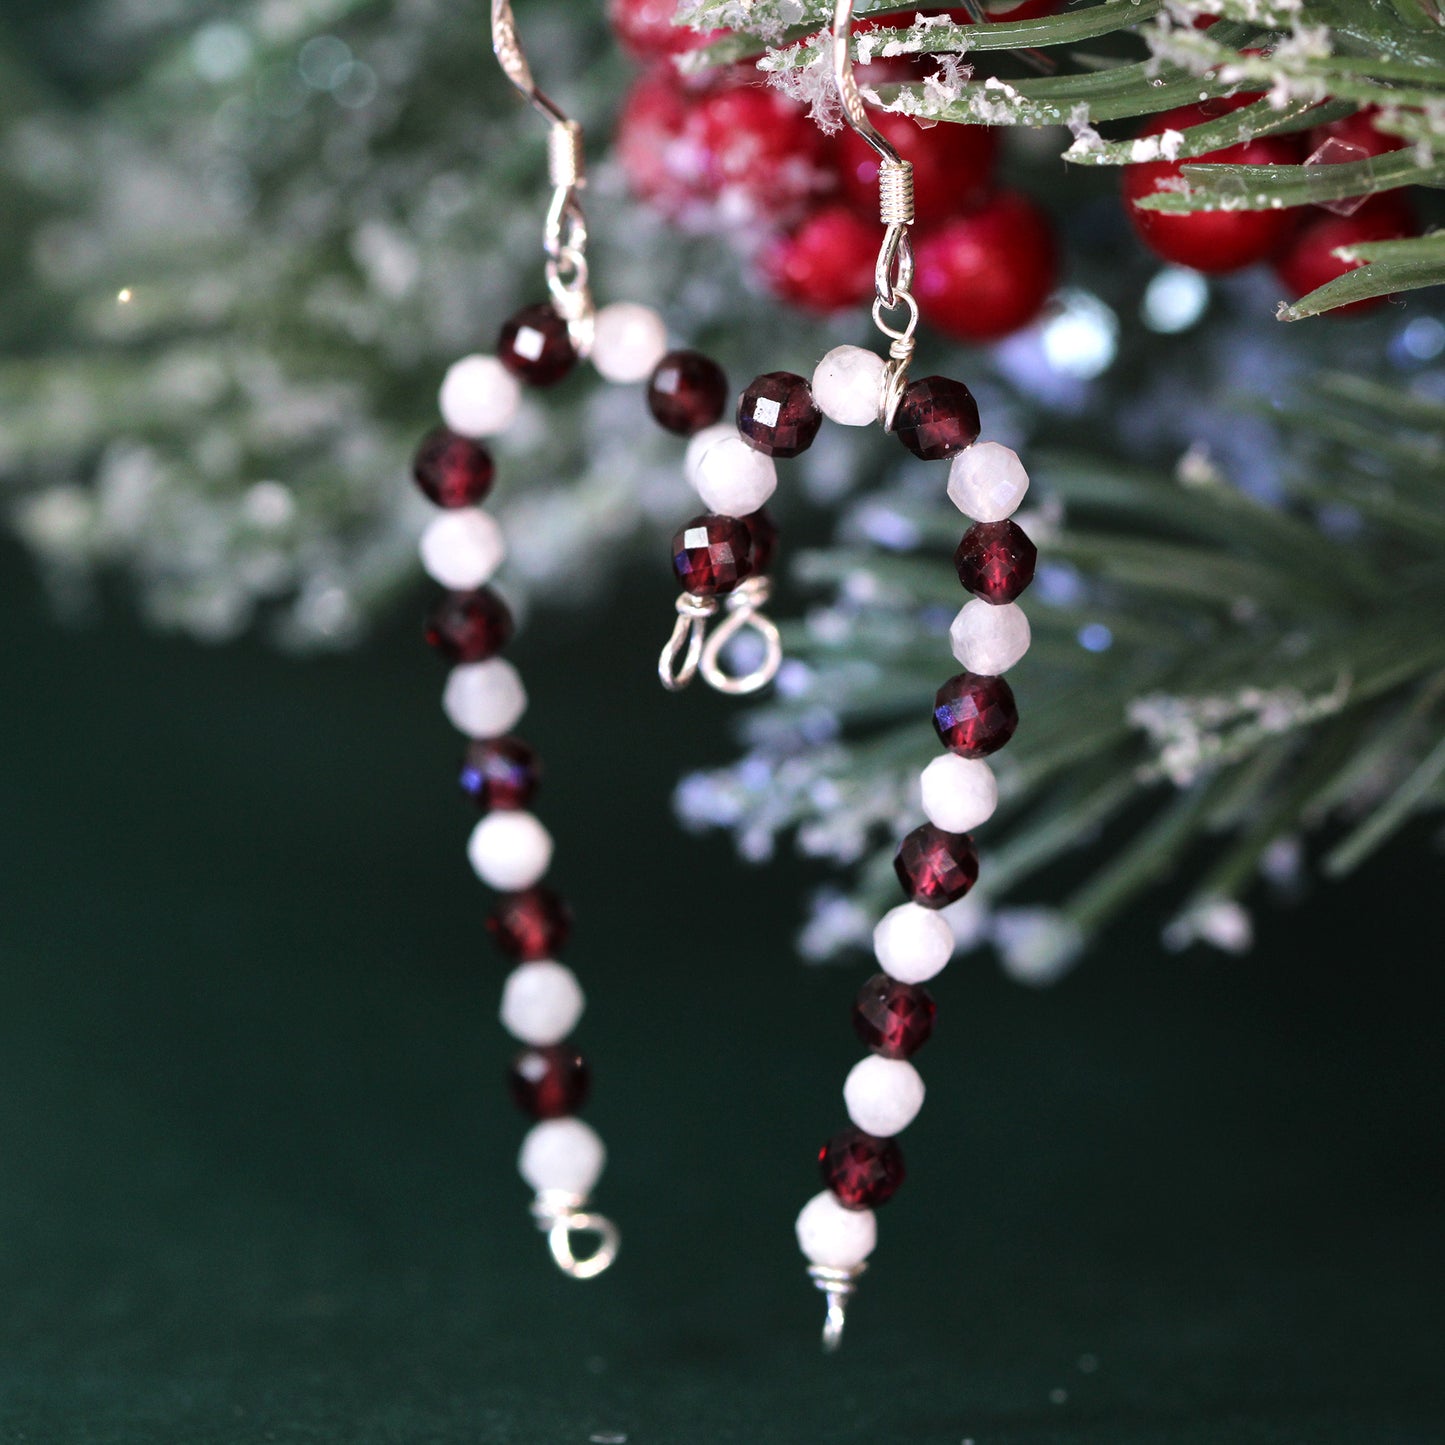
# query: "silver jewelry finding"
{"points": [[562, 1217], [681, 657], [838, 1287], [744, 609]]}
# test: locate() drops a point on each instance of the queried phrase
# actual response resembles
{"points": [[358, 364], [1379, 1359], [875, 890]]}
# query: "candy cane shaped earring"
{"points": [[974, 714], [561, 1157]]}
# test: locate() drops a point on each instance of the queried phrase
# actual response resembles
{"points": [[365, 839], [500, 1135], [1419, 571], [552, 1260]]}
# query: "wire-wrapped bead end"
{"points": [[838, 1287]]}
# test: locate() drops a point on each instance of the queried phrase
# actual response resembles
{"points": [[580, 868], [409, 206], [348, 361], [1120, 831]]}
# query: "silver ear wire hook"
{"points": [[564, 239], [893, 276]]}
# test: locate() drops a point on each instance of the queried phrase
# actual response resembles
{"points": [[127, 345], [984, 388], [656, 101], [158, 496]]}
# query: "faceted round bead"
{"points": [[937, 418], [703, 442], [894, 1019], [912, 943], [848, 385], [484, 699], [565, 1155], [834, 1237], [470, 626], [988, 637], [732, 479], [541, 1003], [883, 1095], [711, 555], [936, 868], [688, 391], [533, 924], [764, 532], [987, 482], [510, 850], [628, 343], [778, 416], [996, 561], [536, 347], [549, 1083], [500, 773], [975, 716], [453, 470], [479, 397], [861, 1170], [462, 548], [959, 794]]}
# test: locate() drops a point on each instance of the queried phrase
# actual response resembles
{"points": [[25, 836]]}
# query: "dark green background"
{"points": [[256, 1166]]}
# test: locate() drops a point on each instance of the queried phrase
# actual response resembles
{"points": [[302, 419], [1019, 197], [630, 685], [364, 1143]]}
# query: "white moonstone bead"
{"points": [[883, 1095], [835, 1237], [510, 849], [989, 639], [480, 397], [987, 482], [701, 444], [629, 341], [562, 1154], [958, 793], [912, 943], [484, 699], [848, 385], [462, 548], [541, 1003], [733, 479]]}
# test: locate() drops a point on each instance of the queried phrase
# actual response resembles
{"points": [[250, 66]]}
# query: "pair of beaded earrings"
{"points": [[722, 560]]}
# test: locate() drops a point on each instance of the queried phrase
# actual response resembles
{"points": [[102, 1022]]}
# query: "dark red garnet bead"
{"points": [[764, 532], [535, 923], [862, 1171], [688, 391], [937, 418], [996, 561], [452, 470], [500, 773], [973, 715], [894, 1019], [536, 347], [470, 626], [549, 1083], [778, 416], [712, 554], [934, 867]]}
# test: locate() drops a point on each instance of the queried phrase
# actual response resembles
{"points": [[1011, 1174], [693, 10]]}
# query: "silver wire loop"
{"points": [[744, 608], [838, 1286], [893, 275], [564, 238], [680, 659], [562, 1217]]}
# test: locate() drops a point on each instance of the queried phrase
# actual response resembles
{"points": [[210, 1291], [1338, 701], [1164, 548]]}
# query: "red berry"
{"points": [[470, 626], [536, 347], [894, 1019], [646, 30], [452, 470], [952, 165], [648, 146], [533, 924], [861, 1170], [973, 715], [937, 418], [826, 264], [501, 773], [983, 276], [934, 867], [549, 1083], [712, 554], [1310, 261], [1209, 240]]}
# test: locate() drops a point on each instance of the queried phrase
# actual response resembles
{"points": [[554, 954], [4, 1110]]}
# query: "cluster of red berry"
{"points": [[1301, 241], [726, 153]]}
